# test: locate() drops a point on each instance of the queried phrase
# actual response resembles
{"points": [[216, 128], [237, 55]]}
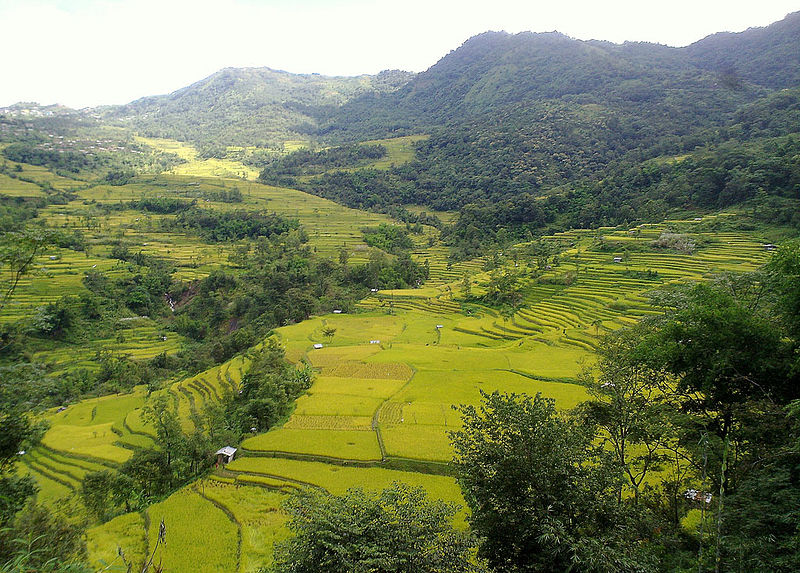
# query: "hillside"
{"points": [[265, 108], [247, 107], [495, 69], [764, 56], [551, 283]]}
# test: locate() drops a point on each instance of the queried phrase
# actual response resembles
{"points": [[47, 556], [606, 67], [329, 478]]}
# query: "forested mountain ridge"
{"points": [[494, 69], [248, 106], [528, 132], [766, 56], [540, 132], [264, 107]]}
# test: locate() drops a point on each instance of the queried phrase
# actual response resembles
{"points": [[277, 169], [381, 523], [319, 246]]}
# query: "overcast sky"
{"points": [[91, 52]]}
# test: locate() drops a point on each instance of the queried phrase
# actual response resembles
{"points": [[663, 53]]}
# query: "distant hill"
{"points": [[495, 69], [251, 106], [768, 56], [487, 74], [529, 132]]}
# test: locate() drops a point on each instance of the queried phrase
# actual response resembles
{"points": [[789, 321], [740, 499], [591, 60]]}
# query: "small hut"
{"points": [[225, 455]]}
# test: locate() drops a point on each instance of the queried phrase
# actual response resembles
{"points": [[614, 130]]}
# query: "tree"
{"points": [[159, 413], [542, 495], [723, 352], [733, 352], [14, 489], [18, 251], [631, 408], [328, 332], [42, 542], [784, 270], [396, 530]]}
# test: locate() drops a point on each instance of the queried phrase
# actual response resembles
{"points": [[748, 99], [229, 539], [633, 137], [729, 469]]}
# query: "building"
{"points": [[225, 455]]}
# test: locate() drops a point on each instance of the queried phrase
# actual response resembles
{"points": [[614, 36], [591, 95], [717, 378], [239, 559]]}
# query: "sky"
{"points": [[83, 53]]}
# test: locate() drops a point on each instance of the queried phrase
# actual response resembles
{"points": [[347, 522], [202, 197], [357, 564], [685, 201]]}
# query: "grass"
{"points": [[98, 411], [199, 538], [417, 442], [196, 166], [51, 492], [335, 404], [380, 388], [11, 187], [258, 512], [404, 386], [338, 479], [399, 150], [341, 444], [96, 441], [125, 533]]}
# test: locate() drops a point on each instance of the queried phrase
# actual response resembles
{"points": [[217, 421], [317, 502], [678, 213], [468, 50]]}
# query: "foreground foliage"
{"points": [[396, 530], [543, 498]]}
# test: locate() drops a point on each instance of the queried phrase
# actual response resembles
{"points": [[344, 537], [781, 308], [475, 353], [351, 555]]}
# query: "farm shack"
{"points": [[225, 455]]}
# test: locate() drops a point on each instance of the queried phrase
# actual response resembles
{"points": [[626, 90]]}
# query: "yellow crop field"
{"points": [[333, 355], [258, 512], [343, 444], [328, 422], [388, 370], [125, 532], [386, 377], [367, 387], [338, 479], [93, 441], [199, 536], [418, 442], [100, 410], [10, 187], [317, 403]]}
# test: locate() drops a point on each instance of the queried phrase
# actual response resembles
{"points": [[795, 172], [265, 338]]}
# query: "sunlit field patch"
{"points": [[199, 536], [343, 444], [95, 441], [317, 403], [258, 512], [125, 532]]}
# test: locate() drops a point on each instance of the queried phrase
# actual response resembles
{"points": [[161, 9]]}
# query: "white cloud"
{"points": [[91, 52]]}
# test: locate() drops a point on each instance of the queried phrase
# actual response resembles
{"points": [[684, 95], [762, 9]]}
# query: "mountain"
{"points": [[530, 131], [768, 56], [541, 131], [495, 69], [250, 106], [264, 108]]}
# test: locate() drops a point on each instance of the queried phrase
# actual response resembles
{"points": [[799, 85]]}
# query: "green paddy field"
{"points": [[382, 402]]}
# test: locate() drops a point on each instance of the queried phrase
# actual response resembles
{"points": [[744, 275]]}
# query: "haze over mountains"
{"points": [[260, 106], [525, 133]]}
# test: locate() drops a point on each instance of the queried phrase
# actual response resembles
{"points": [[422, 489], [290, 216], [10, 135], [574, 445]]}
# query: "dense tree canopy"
{"points": [[396, 530]]}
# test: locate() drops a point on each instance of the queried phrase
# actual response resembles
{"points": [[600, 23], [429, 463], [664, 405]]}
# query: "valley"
{"points": [[387, 374], [553, 283]]}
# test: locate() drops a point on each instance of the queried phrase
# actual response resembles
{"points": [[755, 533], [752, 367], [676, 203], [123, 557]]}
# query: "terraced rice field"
{"points": [[381, 405], [386, 383]]}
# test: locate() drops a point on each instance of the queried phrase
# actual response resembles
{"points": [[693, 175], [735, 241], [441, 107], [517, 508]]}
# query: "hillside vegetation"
{"points": [[534, 308]]}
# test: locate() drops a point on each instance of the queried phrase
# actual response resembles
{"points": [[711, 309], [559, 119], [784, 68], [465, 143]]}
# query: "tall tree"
{"points": [[18, 251], [396, 530], [631, 407], [542, 496]]}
